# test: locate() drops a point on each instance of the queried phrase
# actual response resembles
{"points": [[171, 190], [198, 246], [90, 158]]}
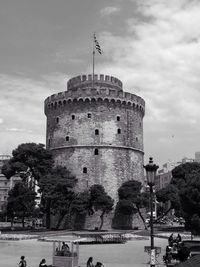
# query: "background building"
{"points": [[197, 156], [5, 184], [95, 129]]}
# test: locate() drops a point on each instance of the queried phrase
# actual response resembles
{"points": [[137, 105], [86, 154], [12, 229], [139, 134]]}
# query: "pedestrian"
{"points": [[171, 240], [90, 262], [43, 263], [178, 239], [22, 262]]}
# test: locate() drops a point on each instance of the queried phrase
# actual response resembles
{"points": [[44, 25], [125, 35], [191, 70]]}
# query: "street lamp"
{"points": [[151, 169]]}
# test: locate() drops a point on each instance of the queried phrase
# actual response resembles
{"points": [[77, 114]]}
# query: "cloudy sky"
{"points": [[153, 46]]}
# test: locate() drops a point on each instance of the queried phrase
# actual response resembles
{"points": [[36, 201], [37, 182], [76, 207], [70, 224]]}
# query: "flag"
{"points": [[97, 46]]}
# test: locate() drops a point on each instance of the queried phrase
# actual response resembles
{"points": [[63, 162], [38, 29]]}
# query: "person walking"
{"points": [[22, 262], [90, 262]]}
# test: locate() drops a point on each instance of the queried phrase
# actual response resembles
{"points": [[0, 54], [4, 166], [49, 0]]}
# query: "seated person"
{"points": [[65, 249]]}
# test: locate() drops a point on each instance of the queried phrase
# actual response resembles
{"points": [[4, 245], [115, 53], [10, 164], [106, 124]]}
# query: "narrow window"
{"points": [[96, 132], [89, 115], [118, 118], [136, 138], [84, 170], [67, 138], [96, 151], [119, 131], [49, 142], [73, 117], [57, 119]]}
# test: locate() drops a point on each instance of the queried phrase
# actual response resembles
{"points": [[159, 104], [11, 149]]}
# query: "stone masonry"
{"points": [[95, 129]]}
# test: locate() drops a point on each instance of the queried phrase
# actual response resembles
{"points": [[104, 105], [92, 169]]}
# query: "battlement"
{"points": [[94, 95], [85, 81], [80, 89]]}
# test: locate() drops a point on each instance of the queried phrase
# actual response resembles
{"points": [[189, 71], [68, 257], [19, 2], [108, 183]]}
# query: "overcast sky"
{"points": [[153, 46]]}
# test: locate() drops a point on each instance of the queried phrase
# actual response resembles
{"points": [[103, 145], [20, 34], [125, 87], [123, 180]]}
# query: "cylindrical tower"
{"points": [[96, 131]]}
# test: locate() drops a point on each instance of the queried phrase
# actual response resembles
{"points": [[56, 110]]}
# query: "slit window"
{"points": [[73, 117], [96, 151], [49, 142], [96, 132], [89, 115], [84, 170], [119, 131], [57, 120], [136, 139], [67, 138], [118, 118]]}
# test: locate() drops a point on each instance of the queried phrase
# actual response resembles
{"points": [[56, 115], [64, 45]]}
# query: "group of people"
{"points": [[23, 262], [176, 250], [90, 263], [174, 240]]}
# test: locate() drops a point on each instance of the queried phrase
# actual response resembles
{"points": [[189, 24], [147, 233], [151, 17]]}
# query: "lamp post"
{"points": [[151, 169]]}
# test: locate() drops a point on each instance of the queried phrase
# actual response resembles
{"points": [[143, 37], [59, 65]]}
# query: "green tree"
{"points": [[30, 160], [123, 214], [169, 194], [100, 201], [132, 191], [184, 192], [21, 202], [57, 189], [80, 207]]}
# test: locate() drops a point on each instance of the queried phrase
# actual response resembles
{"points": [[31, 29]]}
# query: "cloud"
{"points": [[109, 10], [161, 56], [22, 108]]}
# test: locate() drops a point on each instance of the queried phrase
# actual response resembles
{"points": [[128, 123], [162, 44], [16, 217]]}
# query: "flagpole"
{"points": [[93, 59]]}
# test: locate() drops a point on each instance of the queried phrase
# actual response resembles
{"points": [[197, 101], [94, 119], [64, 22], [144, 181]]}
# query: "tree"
{"points": [[80, 207], [169, 194], [31, 160], [132, 191], [184, 192], [57, 188], [123, 214], [100, 201], [21, 202]]}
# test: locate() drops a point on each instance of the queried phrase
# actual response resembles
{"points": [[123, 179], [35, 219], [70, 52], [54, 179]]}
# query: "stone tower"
{"points": [[95, 129]]}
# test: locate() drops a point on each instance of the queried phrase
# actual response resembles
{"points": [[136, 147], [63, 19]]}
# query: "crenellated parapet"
{"points": [[100, 81], [80, 89]]}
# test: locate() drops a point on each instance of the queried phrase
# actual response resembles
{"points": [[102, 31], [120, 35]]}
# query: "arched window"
{"points": [[57, 120], [73, 117], [96, 132], [119, 131], [96, 151], [89, 115], [84, 170], [67, 138], [118, 118]]}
